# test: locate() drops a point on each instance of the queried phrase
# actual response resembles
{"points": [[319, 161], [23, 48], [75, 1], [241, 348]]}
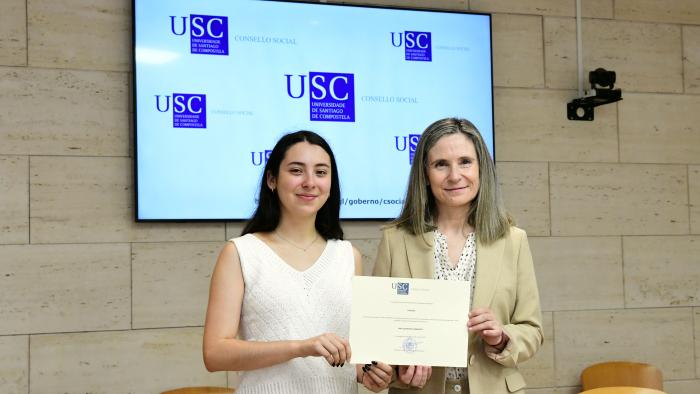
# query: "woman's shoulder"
{"points": [[393, 230], [240, 238], [517, 231], [515, 234], [339, 243], [245, 241]]}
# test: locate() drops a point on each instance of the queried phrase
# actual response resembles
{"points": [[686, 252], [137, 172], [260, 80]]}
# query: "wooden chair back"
{"points": [[623, 390], [201, 390], [621, 373]]}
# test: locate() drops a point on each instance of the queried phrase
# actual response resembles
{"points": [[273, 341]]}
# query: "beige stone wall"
{"points": [[92, 302]]}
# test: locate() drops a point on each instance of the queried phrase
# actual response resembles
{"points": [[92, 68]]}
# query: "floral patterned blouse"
{"points": [[464, 270]]}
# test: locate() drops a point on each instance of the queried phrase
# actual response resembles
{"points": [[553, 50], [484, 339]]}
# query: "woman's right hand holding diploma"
{"points": [[375, 376], [414, 375]]}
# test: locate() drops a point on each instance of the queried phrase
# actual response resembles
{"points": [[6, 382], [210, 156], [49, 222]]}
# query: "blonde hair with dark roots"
{"points": [[486, 213]]}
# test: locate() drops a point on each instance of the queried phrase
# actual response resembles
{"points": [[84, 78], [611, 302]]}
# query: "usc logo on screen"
{"points": [[260, 158], [407, 142], [331, 98], [417, 45], [189, 110], [208, 33]]}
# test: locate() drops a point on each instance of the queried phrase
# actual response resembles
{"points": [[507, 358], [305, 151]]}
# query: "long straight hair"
{"points": [[486, 212], [268, 212]]}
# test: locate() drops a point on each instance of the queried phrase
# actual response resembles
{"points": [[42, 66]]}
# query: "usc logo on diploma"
{"points": [[401, 288]]}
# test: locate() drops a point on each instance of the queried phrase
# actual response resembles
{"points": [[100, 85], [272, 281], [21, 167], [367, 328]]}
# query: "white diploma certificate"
{"points": [[403, 321]]}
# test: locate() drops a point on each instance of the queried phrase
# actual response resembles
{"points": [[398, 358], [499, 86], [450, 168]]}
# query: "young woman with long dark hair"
{"points": [[279, 302]]}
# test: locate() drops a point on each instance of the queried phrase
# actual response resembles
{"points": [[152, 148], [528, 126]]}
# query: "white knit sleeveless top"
{"points": [[281, 303]]}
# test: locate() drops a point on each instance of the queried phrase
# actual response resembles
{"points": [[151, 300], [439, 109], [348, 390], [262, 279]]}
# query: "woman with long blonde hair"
{"points": [[453, 226]]}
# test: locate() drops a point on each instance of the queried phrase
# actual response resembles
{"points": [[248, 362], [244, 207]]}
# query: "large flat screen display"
{"points": [[217, 82]]}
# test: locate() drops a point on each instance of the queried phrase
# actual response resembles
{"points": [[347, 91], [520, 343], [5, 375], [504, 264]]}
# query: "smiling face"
{"points": [[453, 171], [303, 183]]}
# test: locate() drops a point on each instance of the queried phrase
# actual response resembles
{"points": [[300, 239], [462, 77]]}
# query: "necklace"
{"points": [[295, 245]]}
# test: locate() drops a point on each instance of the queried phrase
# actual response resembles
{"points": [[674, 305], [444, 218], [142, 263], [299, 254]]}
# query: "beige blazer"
{"points": [[505, 283]]}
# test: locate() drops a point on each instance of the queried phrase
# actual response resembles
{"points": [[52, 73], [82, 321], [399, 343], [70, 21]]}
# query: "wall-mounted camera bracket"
{"points": [[602, 92], [602, 83]]}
